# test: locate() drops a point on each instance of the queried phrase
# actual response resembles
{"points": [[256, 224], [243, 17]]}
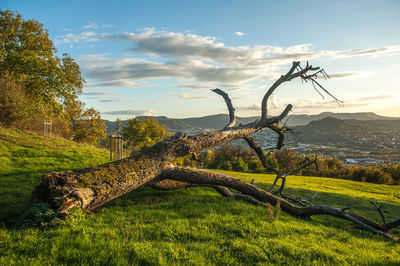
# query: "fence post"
{"points": [[47, 128], [111, 146]]}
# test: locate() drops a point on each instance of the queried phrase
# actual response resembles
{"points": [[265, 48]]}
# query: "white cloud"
{"points": [[198, 60], [130, 112], [374, 51], [116, 101], [94, 26], [91, 25], [196, 87], [239, 33], [187, 96], [123, 83], [86, 36], [347, 75], [253, 107], [98, 93], [377, 97]]}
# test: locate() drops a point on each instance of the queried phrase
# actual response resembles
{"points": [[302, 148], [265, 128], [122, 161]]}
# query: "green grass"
{"points": [[195, 226]]}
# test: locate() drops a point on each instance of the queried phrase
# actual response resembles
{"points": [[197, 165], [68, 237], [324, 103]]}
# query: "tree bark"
{"points": [[91, 187]]}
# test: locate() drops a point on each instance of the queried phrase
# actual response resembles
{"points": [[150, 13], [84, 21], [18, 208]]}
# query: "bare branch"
{"points": [[304, 164], [315, 88], [282, 79], [379, 209], [298, 200], [276, 119], [218, 179], [346, 208], [291, 74], [388, 226], [252, 143], [227, 193], [326, 91], [281, 135], [232, 117]]}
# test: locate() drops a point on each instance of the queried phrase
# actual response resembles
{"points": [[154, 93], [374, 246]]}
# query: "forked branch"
{"points": [[379, 209], [232, 117], [296, 71]]}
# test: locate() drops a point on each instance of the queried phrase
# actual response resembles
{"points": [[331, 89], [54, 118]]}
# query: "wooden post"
{"points": [[118, 153], [111, 141], [47, 128], [122, 147]]}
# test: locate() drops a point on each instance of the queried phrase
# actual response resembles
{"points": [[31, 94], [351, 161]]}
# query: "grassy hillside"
{"points": [[25, 157], [194, 226]]}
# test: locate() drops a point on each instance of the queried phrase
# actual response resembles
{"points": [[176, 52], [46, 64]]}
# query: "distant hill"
{"points": [[350, 132], [171, 124], [218, 121], [215, 121], [295, 120]]}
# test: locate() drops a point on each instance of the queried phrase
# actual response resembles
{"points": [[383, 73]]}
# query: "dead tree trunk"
{"points": [[91, 187]]}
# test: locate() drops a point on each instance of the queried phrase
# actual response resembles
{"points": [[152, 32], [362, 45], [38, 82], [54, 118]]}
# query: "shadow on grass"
{"points": [[184, 197], [16, 194], [182, 203]]}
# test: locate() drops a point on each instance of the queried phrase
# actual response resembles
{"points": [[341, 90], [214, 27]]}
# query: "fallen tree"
{"points": [[91, 187]]}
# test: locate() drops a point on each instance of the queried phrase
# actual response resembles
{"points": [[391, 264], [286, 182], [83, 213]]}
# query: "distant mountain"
{"points": [[295, 120], [218, 121], [171, 124], [215, 121], [366, 133]]}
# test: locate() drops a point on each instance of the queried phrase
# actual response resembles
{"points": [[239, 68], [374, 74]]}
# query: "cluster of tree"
{"points": [[242, 159], [36, 84], [333, 167], [142, 134]]}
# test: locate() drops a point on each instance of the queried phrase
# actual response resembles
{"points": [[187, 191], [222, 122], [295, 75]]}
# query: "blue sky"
{"points": [[163, 57]]}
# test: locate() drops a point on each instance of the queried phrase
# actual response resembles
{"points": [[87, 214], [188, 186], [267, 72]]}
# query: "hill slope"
{"points": [[194, 226], [368, 134], [25, 157], [296, 120]]}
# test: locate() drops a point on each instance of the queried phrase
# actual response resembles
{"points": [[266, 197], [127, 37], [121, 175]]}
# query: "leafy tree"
{"points": [[29, 55], [36, 83], [393, 170], [272, 161], [287, 159], [139, 135], [14, 104], [89, 127], [371, 174]]}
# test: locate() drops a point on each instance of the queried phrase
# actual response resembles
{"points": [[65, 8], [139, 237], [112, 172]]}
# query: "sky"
{"points": [[163, 57]]}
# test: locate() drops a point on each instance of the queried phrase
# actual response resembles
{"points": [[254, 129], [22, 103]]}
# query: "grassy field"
{"points": [[194, 226]]}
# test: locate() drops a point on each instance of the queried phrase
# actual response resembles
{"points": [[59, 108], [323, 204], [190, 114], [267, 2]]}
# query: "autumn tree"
{"points": [[28, 54], [89, 128], [37, 84], [142, 134], [15, 105]]}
